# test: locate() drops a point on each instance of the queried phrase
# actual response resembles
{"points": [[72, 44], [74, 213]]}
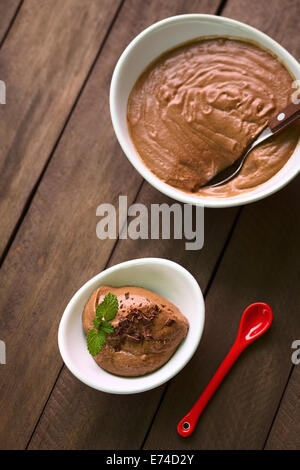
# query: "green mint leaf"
{"points": [[97, 323], [106, 327], [95, 341], [106, 311], [108, 308]]}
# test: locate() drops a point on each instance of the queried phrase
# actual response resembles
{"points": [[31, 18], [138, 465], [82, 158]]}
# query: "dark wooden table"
{"points": [[59, 161]]}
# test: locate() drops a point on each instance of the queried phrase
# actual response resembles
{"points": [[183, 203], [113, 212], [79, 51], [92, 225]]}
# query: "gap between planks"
{"points": [[217, 264], [18, 8], [56, 143], [205, 293], [63, 365]]}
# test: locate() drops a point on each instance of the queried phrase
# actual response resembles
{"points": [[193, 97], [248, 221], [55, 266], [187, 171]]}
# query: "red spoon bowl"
{"points": [[255, 321]]}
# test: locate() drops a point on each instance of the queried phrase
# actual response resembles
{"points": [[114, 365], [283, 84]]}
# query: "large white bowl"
{"points": [[162, 276], [150, 44]]}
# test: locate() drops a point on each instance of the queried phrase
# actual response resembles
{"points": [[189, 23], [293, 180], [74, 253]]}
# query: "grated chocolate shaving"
{"points": [[134, 337], [135, 326]]}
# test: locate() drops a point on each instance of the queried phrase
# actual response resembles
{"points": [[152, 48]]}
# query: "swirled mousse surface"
{"points": [[148, 330], [196, 108]]}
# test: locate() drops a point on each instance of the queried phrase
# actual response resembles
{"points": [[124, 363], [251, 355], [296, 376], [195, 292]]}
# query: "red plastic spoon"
{"points": [[255, 321]]}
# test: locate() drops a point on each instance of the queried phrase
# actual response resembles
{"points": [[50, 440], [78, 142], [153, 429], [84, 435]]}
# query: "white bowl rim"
{"points": [[72, 303], [172, 192]]}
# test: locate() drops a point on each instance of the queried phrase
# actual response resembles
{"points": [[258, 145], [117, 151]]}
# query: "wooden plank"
{"points": [[126, 418], [56, 250], [261, 263], [256, 266], [8, 9], [57, 227], [278, 19], [60, 225], [285, 433], [44, 63]]}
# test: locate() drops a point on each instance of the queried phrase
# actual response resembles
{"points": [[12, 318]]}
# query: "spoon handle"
{"points": [[285, 117], [187, 424]]}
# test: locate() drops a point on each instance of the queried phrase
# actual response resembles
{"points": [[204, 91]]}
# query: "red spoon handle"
{"points": [[187, 425]]}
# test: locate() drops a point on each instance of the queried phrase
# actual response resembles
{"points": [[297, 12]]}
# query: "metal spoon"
{"points": [[275, 125], [255, 321]]}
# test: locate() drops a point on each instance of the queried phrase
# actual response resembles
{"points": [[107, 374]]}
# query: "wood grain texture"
{"points": [[126, 418], [261, 263], [44, 62], [256, 267], [33, 266], [131, 414], [8, 9], [277, 18], [281, 18], [56, 249], [285, 433]]}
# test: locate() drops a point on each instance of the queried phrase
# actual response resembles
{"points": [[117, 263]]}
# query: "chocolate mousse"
{"points": [[147, 330], [196, 108]]}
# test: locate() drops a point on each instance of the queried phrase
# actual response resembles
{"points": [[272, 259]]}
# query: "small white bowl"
{"points": [[162, 276], [150, 44]]}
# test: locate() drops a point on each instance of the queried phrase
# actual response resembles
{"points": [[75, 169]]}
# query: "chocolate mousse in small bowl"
{"points": [[190, 93], [150, 313]]}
